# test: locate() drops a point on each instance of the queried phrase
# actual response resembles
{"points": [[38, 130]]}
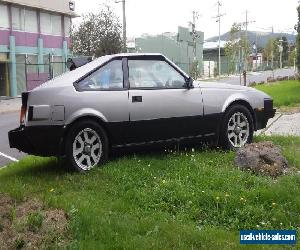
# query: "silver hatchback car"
{"points": [[129, 100]]}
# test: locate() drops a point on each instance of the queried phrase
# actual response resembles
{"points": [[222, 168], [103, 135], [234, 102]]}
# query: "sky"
{"points": [[158, 16]]}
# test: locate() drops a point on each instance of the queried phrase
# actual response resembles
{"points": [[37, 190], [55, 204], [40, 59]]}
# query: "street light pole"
{"points": [[124, 27], [218, 17], [124, 24]]}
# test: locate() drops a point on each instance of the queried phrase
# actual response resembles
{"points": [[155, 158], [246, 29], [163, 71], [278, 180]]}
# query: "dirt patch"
{"points": [[262, 158], [30, 225]]}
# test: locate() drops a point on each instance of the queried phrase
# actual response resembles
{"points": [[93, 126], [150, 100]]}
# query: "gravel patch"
{"points": [[287, 124]]}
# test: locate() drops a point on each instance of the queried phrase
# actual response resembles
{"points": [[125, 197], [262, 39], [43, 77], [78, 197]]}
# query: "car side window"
{"points": [[110, 76], [153, 74]]}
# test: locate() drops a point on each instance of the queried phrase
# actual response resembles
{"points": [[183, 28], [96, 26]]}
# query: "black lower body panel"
{"points": [[37, 140]]}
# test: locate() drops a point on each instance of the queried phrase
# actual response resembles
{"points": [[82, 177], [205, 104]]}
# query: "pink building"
{"points": [[34, 34]]}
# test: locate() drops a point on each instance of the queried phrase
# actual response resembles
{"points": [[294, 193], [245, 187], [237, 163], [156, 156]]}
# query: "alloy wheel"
{"points": [[87, 149], [238, 130]]}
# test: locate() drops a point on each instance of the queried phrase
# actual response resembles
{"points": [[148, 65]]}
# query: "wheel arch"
{"points": [[90, 117], [244, 103]]}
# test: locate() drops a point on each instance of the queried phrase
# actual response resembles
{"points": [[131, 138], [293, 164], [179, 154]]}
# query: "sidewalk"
{"points": [[283, 124], [10, 105]]}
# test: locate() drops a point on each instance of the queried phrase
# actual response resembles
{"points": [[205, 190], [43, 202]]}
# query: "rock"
{"points": [[262, 158]]}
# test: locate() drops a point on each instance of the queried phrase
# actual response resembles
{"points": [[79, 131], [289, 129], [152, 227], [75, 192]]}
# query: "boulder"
{"points": [[262, 158]]}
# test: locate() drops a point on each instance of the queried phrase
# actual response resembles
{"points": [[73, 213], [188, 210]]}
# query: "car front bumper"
{"points": [[264, 114], [37, 140]]}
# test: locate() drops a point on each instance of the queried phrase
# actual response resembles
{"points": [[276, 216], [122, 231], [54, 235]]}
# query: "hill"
{"points": [[261, 37]]}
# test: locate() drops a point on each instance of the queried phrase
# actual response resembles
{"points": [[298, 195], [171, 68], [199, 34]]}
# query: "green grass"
{"points": [[182, 200], [285, 93]]}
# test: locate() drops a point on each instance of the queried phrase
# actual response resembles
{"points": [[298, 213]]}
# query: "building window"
{"points": [[51, 24], [17, 18], [56, 25], [67, 22], [31, 22], [24, 20], [4, 20]]}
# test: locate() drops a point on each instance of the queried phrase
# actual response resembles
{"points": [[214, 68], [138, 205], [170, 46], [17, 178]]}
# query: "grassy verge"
{"points": [[182, 200], [285, 93]]}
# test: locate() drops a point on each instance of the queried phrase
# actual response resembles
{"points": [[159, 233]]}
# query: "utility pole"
{"points": [[124, 24], [194, 32], [194, 35], [218, 17]]}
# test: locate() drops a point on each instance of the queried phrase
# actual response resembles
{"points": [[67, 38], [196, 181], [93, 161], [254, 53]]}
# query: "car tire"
{"points": [[86, 146], [237, 127]]}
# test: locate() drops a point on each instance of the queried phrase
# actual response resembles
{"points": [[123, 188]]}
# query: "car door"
{"points": [[160, 105], [106, 92]]}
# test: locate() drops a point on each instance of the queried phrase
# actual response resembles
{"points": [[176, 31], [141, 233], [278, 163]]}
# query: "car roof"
{"points": [[136, 54]]}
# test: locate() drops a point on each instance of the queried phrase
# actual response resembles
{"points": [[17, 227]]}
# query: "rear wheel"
{"points": [[237, 129], [86, 146]]}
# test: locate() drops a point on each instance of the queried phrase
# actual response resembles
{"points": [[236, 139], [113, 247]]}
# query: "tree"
{"points": [[232, 47], [285, 51], [98, 34], [237, 48], [268, 52], [292, 57]]}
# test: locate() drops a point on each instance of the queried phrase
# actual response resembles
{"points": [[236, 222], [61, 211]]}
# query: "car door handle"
{"points": [[137, 99]]}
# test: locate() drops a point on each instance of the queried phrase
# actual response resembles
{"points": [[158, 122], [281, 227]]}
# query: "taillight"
{"points": [[23, 108], [23, 115]]}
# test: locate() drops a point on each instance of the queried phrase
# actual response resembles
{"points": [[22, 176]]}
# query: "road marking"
{"points": [[9, 157]]}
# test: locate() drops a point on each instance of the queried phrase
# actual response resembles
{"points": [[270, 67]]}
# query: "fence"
{"points": [[31, 74]]}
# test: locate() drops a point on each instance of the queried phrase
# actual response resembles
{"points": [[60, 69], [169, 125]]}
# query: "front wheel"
{"points": [[86, 146], [237, 129]]}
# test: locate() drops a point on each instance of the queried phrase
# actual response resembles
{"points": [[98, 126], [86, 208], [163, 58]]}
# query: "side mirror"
{"points": [[189, 83]]}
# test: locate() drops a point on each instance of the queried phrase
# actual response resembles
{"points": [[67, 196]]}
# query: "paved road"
{"points": [[8, 121], [258, 76]]}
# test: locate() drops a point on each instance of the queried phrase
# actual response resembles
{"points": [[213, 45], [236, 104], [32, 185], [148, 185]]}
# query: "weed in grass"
{"points": [[34, 221], [19, 243]]}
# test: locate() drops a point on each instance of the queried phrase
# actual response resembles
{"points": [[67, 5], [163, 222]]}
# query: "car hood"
{"points": [[226, 86], [217, 85]]}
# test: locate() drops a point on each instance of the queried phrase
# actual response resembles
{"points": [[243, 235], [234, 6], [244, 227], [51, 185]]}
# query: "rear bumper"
{"points": [[263, 115], [37, 140]]}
